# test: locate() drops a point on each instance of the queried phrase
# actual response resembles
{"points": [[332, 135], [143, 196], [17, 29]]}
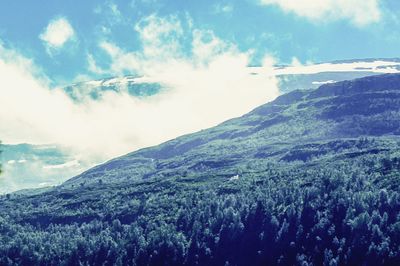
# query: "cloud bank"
{"points": [[201, 90], [359, 12]]}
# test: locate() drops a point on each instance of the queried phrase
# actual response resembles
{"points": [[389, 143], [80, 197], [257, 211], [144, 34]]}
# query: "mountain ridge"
{"points": [[15, 175], [271, 115]]}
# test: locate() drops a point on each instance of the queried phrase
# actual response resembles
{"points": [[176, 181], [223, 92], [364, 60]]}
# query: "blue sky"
{"points": [[335, 30]]}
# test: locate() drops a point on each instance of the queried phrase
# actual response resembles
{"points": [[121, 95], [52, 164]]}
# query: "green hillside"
{"points": [[311, 178]]}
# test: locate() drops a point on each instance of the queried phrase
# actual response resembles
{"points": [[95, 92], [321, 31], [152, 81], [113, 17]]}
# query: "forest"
{"points": [[285, 214]]}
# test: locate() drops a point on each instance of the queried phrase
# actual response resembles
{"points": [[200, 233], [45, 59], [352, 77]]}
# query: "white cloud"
{"points": [[161, 37], [92, 65], [63, 165], [110, 13], [115, 11], [200, 91], [206, 45], [57, 33], [121, 60], [224, 9], [359, 12]]}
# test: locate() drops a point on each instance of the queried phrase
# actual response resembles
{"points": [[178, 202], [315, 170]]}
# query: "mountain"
{"points": [[348, 109], [314, 75], [32, 169], [135, 86], [309, 76], [311, 178]]}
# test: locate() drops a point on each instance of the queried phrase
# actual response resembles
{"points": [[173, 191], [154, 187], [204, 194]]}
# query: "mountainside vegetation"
{"points": [[311, 178]]}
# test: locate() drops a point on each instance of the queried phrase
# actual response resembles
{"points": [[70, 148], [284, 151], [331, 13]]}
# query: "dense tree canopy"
{"points": [[333, 213]]}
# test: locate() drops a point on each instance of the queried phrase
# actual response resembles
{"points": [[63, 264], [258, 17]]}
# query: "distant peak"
{"points": [[383, 82]]}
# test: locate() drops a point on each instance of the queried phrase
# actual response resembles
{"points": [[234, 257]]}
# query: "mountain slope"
{"points": [[363, 107], [135, 86], [311, 178], [35, 169]]}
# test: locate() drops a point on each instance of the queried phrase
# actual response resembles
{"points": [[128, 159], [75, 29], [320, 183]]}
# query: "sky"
{"points": [[73, 40], [199, 50]]}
